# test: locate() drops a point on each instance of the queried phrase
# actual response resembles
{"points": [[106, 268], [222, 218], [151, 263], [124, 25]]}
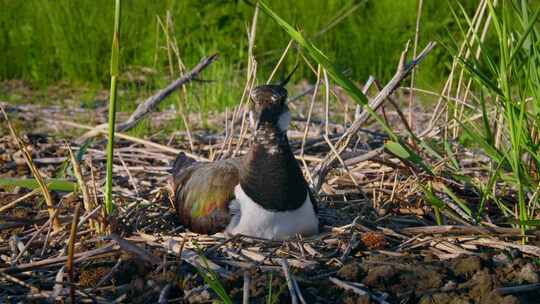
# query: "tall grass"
{"points": [[508, 86], [115, 58], [501, 72], [47, 41]]}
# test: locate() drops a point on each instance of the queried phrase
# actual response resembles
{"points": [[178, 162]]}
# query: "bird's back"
{"points": [[202, 191]]}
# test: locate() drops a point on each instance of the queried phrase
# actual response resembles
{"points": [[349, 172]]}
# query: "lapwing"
{"points": [[261, 194]]}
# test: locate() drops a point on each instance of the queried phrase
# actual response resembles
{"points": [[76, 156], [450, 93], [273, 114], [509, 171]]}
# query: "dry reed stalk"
{"points": [[288, 278], [445, 93], [250, 82], [243, 125], [326, 103], [340, 16], [278, 64], [133, 139], [247, 283], [308, 123], [18, 200], [87, 201], [32, 238], [415, 46], [251, 77], [153, 101], [365, 89], [338, 157], [403, 70], [172, 44], [35, 172], [458, 110], [128, 172], [71, 252]]}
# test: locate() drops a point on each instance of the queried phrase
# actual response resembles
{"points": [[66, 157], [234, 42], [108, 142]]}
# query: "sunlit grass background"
{"points": [[49, 41]]}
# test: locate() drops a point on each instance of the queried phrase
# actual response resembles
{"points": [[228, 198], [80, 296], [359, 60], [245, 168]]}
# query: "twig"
{"points": [[53, 261], [402, 72], [153, 101], [131, 138], [286, 272], [18, 200], [164, 294], [516, 289], [298, 291], [247, 282], [349, 286], [108, 275], [129, 247], [88, 206], [71, 251], [529, 249], [35, 172], [17, 281], [447, 229], [38, 232]]}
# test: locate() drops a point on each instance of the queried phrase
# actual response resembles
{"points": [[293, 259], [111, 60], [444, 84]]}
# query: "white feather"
{"points": [[254, 220], [284, 121]]}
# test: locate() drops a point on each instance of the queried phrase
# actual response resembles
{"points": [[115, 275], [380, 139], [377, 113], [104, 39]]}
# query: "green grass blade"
{"points": [[481, 77], [462, 204], [490, 149], [211, 278], [269, 294], [404, 152], [323, 60], [30, 183], [524, 36], [115, 55]]}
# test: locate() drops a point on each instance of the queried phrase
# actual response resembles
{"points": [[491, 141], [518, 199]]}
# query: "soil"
{"points": [[411, 279]]}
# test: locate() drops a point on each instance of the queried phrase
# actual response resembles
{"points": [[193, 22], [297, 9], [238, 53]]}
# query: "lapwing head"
{"points": [[269, 105]]}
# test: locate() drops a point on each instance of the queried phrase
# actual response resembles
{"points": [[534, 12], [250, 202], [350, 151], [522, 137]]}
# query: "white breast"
{"points": [[253, 220]]}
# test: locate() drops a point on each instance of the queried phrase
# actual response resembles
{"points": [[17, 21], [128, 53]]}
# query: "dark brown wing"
{"points": [[201, 194]]}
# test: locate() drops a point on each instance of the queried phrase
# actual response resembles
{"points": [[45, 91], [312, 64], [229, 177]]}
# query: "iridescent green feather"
{"points": [[203, 193]]}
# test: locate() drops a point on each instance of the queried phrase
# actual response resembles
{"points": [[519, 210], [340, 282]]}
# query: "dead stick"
{"points": [[517, 289], [348, 286], [32, 238], [133, 139], [88, 206], [247, 282], [153, 101], [402, 72], [35, 172], [71, 251], [53, 261], [286, 272], [18, 200]]}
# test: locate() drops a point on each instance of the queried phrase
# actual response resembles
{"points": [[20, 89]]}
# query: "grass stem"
{"points": [[115, 56]]}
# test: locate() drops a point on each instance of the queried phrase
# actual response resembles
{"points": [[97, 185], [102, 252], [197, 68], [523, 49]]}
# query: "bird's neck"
{"points": [[272, 177]]}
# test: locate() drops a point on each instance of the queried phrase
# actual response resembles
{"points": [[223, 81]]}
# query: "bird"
{"points": [[261, 194]]}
